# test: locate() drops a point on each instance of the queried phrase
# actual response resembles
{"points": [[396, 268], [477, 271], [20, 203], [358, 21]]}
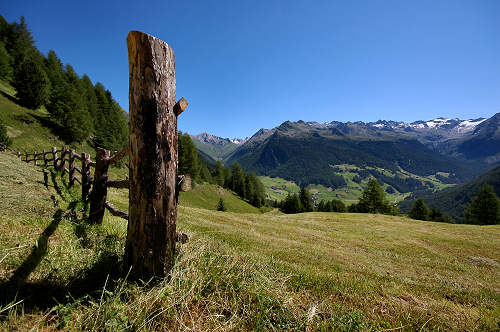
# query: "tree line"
{"points": [[79, 110], [484, 209], [246, 185]]}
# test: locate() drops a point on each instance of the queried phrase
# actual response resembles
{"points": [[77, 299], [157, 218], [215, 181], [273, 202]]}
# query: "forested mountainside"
{"points": [[79, 110], [453, 201], [307, 153]]}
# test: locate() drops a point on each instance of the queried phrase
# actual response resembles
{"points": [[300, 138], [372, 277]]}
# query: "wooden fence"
{"points": [[94, 188], [78, 167]]}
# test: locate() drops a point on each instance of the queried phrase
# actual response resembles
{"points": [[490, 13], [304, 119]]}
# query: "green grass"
{"points": [[277, 188], [206, 196], [239, 271], [29, 129]]}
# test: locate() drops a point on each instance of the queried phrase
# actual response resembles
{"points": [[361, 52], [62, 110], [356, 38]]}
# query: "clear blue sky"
{"points": [[244, 65]]}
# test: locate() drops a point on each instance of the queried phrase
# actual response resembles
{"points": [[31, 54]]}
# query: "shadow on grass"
{"points": [[54, 128], [37, 252], [43, 295]]}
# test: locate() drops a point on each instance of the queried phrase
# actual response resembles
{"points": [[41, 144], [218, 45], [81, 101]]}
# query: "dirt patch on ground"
{"points": [[484, 261]]}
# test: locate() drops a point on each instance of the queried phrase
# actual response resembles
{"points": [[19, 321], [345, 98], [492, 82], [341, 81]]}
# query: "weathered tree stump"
{"points": [[151, 235], [99, 187]]}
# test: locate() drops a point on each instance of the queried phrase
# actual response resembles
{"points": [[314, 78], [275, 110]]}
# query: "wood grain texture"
{"points": [[151, 232]]}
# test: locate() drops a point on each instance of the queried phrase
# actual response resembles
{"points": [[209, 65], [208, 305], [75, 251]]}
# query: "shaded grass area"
{"points": [[30, 130], [239, 271]]}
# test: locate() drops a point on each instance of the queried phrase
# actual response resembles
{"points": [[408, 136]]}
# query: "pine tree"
{"points": [[6, 71], [188, 156], [373, 199], [205, 173], [5, 141], [221, 206], [337, 206], [306, 200], [218, 174], [57, 104], [292, 204], [238, 177], [419, 210], [255, 190], [31, 83], [321, 206], [484, 208], [436, 215]]}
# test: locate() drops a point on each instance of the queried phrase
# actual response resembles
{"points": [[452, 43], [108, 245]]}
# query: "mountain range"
{"points": [[309, 152]]}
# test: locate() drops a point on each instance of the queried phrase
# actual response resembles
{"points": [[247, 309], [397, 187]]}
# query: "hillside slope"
{"points": [[296, 152], [453, 201], [239, 271]]}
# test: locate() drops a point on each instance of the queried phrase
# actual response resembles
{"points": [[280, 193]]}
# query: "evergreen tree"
{"points": [[5, 141], [219, 173], [6, 71], [306, 200], [419, 210], [31, 84], [337, 206], [19, 42], [436, 215], [238, 178], [373, 199], [322, 207], [255, 190], [188, 156], [292, 204], [484, 208], [89, 97], [205, 173], [221, 206], [57, 104]]}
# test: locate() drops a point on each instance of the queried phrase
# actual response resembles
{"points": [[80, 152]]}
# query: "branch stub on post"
{"points": [[180, 106]]}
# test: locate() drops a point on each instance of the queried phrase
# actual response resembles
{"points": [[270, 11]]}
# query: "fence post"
{"points": [[34, 157], [44, 158], [150, 245], [26, 156], [85, 176], [64, 151], [71, 167], [18, 154], [54, 156], [99, 187]]}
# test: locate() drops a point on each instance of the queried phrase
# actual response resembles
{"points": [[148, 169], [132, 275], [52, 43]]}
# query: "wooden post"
{"points": [[85, 176], [44, 158], [64, 151], [34, 157], [99, 187], [26, 160], [18, 154], [151, 234], [71, 167], [54, 156]]}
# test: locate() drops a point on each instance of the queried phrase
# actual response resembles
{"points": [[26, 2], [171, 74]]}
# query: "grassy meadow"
{"points": [[240, 270]]}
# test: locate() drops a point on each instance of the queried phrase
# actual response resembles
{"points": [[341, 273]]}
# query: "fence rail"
{"points": [[65, 161], [94, 188]]}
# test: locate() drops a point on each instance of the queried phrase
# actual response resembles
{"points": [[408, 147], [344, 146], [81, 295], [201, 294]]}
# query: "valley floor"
{"points": [[240, 270]]}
